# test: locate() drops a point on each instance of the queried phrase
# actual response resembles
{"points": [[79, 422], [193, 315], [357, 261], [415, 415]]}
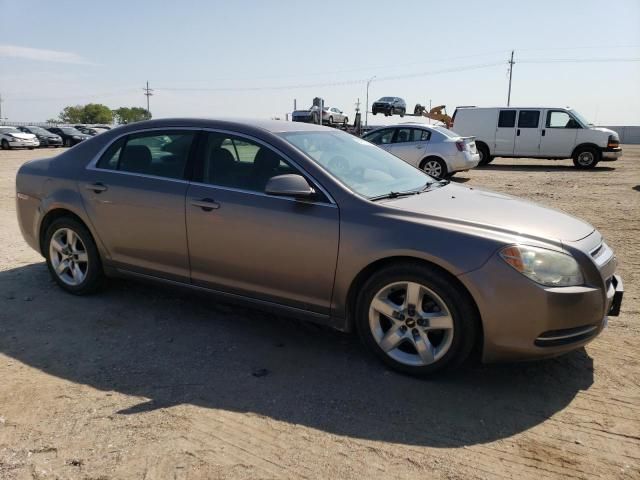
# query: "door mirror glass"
{"points": [[290, 185]]}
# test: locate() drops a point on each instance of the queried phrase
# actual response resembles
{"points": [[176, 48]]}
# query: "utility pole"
{"points": [[511, 64], [366, 111], [1, 117], [147, 93]]}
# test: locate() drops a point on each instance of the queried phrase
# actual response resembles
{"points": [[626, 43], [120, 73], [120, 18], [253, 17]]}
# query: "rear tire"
{"points": [[416, 300], [330, 120], [5, 145], [434, 167], [72, 257], [485, 156], [402, 112], [586, 157], [345, 122]]}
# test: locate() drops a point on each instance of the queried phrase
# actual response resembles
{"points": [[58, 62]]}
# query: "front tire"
{"points": [[330, 120], [345, 122], [416, 319], [586, 158], [402, 112], [435, 167], [72, 257], [5, 145]]}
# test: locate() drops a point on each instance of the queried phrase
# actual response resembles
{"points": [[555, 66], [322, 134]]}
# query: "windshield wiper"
{"points": [[407, 193]]}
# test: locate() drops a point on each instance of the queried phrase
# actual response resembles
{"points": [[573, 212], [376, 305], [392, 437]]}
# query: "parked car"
{"points": [[537, 132], [322, 225], [333, 115], [330, 115], [436, 150], [70, 136], [45, 137], [389, 106], [11, 137], [91, 131]]}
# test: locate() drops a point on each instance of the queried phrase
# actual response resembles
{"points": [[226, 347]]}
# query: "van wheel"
{"points": [[416, 319], [485, 157], [586, 157], [434, 167]]}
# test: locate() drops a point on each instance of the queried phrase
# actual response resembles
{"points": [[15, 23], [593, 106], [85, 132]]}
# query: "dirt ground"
{"points": [[146, 382]]}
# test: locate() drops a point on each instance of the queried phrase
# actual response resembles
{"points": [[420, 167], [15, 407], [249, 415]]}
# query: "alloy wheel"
{"points": [[69, 257], [433, 168], [411, 323]]}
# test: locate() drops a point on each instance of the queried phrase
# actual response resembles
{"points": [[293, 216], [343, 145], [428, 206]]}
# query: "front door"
{"points": [[135, 197], [410, 144], [246, 242], [527, 134], [559, 134]]}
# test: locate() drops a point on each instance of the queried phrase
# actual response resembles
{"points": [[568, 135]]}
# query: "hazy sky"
{"points": [[250, 58]]}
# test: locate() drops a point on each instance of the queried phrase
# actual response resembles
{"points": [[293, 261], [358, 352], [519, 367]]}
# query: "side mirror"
{"points": [[291, 185]]}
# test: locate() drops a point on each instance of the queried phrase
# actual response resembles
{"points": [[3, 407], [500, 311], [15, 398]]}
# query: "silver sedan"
{"points": [[321, 225]]}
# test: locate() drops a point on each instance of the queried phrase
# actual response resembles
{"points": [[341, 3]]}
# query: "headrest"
{"points": [[135, 158]]}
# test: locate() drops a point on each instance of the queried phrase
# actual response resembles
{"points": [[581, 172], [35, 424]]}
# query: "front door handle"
{"points": [[206, 204], [543, 132], [96, 187]]}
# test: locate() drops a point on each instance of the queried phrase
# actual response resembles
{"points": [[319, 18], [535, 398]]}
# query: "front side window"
{"points": [[236, 162], [559, 119], [161, 154], [507, 119], [362, 167], [529, 119], [380, 137]]}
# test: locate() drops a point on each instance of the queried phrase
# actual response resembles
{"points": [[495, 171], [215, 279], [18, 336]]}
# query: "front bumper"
{"points": [[50, 142], [18, 143], [543, 321], [611, 153]]}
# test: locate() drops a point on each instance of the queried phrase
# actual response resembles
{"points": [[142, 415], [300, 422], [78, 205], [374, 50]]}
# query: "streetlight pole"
{"points": [[366, 110]]}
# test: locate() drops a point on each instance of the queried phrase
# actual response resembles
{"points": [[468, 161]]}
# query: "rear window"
{"points": [[529, 119], [507, 119]]}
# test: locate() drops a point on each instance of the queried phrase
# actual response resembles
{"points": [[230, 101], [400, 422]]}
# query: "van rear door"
{"points": [[505, 132], [528, 134]]}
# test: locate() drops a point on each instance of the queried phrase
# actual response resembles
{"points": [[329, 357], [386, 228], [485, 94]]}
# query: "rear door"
{"points": [[528, 134], [505, 132], [410, 144], [558, 134], [135, 197]]}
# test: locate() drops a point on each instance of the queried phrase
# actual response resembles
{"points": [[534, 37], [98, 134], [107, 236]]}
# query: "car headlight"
{"points": [[546, 267], [76, 137]]}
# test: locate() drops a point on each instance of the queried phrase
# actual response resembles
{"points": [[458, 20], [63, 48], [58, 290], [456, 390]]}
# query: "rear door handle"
{"points": [[518, 133], [206, 204], [543, 132], [96, 187]]}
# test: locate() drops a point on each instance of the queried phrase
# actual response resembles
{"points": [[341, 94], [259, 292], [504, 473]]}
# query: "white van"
{"points": [[537, 132]]}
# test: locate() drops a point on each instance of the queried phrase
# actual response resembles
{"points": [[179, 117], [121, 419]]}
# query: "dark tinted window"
{"points": [[507, 119], [236, 162], [380, 137], [528, 118], [161, 154], [411, 135]]}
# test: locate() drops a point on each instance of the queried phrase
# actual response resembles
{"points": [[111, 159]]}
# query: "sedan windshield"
{"points": [[70, 131], [38, 131], [9, 130], [358, 164]]}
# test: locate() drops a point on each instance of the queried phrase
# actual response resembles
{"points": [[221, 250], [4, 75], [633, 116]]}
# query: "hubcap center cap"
{"points": [[410, 322]]}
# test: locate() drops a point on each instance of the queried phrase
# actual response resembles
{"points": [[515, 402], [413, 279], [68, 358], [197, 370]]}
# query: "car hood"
{"points": [[605, 130], [24, 136], [487, 209]]}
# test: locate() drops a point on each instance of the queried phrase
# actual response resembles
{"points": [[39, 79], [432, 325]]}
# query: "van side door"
{"points": [[505, 132], [559, 134], [527, 142]]}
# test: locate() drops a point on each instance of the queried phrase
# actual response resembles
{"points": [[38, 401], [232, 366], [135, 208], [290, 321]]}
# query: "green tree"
{"points": [[131, 114], [90, 113]]}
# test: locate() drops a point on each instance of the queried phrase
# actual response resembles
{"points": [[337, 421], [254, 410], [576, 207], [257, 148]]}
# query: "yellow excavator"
{"points": [[438, 113]]}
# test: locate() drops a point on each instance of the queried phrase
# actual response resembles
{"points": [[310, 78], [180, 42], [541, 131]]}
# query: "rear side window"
{"points": [[381, 137], [411, 135], [161, 154], [507, 119], [529, 119]]}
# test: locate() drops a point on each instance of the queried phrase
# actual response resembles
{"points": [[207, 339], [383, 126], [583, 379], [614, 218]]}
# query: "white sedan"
{"points": [[11, 137], [434, 149]]}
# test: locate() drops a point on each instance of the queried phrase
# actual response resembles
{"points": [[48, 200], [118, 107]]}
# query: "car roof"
{"points": [[273, 126]]}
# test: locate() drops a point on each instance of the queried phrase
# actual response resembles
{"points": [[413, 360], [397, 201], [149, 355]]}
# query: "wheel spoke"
{"points": [[438, 321], [71, 239], [57, 246], [414, 295], [391, 339], [385, 307], [76, 273], [61, 267], [82, 257], [424, 348]]}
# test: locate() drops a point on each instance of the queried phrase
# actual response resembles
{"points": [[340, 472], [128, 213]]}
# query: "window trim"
{"points": [[191, 160]]}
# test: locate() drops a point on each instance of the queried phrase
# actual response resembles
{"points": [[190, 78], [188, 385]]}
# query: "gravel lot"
{"points": [[146, 382]]}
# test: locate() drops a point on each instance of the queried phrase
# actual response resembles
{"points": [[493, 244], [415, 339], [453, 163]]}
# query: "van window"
{"points": [[558, 119], [507, 119], [529, 119]]}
